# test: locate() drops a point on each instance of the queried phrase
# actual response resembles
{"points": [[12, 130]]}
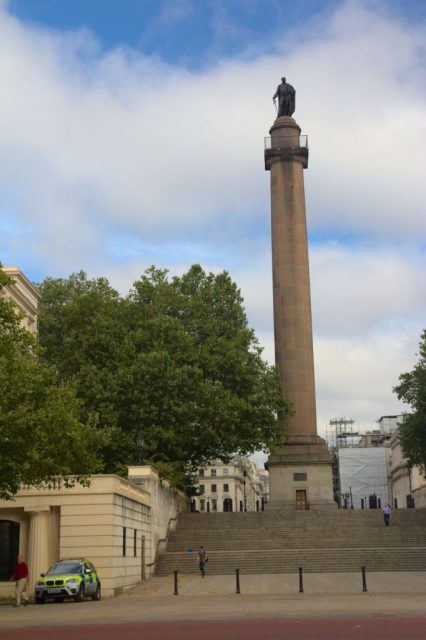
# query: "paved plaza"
{"points": [[327, 595]]}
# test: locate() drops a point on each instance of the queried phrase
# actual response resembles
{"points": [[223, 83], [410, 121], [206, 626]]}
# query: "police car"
{"points": [[77, 579]]}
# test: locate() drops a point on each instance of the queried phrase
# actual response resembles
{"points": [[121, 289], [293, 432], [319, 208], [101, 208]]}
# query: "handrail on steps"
{"points": [[162, 540]]}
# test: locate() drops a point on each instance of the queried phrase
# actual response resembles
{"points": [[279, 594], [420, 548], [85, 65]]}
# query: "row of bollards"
{"points": [[237, 581]]}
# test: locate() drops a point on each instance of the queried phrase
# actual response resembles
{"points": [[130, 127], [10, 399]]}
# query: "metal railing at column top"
{"points": [[286, 142]]}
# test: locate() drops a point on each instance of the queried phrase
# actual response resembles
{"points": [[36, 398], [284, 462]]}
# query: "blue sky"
{"points": [[191, 32], [132, 134]]}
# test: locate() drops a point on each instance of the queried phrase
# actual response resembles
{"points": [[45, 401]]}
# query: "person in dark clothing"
{"points": [[202, 559]]}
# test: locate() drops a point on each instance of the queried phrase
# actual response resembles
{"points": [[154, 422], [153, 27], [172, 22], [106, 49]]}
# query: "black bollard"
{"points": [[237, 580], [364, 581], [300, 579], [176, 592]]}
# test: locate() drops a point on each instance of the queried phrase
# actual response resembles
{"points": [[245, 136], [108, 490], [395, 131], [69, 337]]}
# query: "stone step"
{"points": [[313, 560], [272, 542]]}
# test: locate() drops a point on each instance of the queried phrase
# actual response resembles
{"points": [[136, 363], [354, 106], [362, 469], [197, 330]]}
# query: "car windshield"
{"points": [[65, 567]]}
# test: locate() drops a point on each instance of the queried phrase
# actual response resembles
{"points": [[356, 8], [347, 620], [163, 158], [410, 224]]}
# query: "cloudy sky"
{"points": [[132, 134]]}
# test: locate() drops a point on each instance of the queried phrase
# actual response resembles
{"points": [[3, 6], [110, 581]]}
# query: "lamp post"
{"points": [[140, 443], [244, 489]]}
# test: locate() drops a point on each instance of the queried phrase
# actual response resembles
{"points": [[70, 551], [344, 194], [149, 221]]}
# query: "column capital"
{"points": [[37, 510]]}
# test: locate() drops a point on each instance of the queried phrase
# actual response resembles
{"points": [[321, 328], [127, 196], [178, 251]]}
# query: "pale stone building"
{"points": [[25, 296], [407, 487], [230, 486], [116, 523]]}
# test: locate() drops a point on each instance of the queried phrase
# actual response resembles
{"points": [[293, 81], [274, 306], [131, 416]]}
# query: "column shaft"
{"points": [[38, 551]]}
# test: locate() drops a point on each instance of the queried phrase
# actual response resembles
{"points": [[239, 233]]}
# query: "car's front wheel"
{"points": [[97, 594], [80, 594]]}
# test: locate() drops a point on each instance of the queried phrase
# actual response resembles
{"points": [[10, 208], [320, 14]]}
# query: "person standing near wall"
{"points": [[386, 513], [21, 577]]}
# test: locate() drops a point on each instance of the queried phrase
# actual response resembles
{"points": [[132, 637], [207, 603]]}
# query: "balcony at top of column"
{"points": [[290, 147]]}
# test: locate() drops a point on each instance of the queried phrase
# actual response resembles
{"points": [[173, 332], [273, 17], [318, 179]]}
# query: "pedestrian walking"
{"points": [[387, 510], [21, 577], [202, 559]]}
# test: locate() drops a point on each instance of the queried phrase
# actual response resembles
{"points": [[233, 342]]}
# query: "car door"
{"points": [[89, 578]]}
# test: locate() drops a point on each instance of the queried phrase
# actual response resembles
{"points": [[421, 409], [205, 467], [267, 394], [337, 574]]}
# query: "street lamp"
{"points": [[140, 443], [244, 489]]}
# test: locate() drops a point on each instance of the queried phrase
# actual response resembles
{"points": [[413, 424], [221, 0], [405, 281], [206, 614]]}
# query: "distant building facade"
{"points": [[407, 486], [24, 296], [230, 486]]}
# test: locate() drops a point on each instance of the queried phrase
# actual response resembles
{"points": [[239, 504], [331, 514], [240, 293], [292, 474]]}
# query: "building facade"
{"points": [[24, 296], [407, 486], [236, 485], [117, 524]]}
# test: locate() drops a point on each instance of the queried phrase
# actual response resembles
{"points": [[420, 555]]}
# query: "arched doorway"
{"points": [[9, 548], [227, 504]]}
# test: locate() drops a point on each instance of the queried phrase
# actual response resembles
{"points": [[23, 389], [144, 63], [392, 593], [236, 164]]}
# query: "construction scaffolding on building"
{"points": [[359, 465]]}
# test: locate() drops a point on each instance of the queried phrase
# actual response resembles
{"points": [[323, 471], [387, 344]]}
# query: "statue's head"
{"points": [[282, 79]]}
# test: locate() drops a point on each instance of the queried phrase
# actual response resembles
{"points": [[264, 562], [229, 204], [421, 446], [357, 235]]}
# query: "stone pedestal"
{"points": [[300, 471]]}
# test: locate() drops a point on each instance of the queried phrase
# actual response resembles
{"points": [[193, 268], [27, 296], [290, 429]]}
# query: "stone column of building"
{"points": [[300, 471], [38, 550]]}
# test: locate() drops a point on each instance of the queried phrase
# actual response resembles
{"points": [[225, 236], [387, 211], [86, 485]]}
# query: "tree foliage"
{"points": [[41, 435], [412, 390], [173, 363]]}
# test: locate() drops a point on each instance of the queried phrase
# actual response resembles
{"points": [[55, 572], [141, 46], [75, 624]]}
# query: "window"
{"points": [[214, 488], [201, 489], [134, 543], [201, 472], [226, 488], [214, 504], [213, 473], [225, 471], [300, 477], [124, 540], [202, 505]]}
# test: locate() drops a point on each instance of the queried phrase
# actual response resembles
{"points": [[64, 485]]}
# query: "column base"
{"points": [[300, 475]]}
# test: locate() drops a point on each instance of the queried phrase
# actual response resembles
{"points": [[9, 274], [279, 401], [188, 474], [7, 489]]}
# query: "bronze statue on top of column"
{"points": [[286, 95]]}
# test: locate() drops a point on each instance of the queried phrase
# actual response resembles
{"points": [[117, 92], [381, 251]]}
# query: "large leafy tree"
{"points": [[41, 435], [172, 365], [412, 390]]}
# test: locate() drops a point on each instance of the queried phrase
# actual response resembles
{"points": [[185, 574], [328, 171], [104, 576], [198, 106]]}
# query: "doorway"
{"points": [[301, 500], [227, 504], [9, 548]]}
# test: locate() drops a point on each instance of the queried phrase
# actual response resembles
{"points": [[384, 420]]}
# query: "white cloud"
{"points": [[120, 140], [98, 147]]}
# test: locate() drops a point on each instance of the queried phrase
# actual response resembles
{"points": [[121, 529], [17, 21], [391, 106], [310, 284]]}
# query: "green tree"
{"points": [[41, 435], [412, 390], [173, 364]]}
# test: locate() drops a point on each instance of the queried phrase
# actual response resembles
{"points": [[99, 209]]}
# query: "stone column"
{"points": [[38, 550], [303, 466]]}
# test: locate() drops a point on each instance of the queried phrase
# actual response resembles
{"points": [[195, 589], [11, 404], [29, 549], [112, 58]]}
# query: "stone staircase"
{"points": [[273, 542]]}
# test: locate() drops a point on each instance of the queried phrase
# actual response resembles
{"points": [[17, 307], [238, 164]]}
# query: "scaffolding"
{"points": [[359, 464], [340, 433]]}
